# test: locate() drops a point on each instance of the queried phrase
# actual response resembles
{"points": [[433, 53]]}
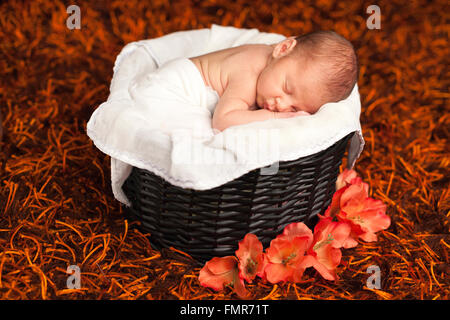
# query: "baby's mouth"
{"points": [[268, 106]]}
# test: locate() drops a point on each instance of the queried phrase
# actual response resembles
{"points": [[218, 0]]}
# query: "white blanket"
{"points": [[158, 117]]}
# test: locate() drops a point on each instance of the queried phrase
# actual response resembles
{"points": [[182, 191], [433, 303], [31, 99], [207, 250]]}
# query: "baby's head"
{"points": [[305, 72]]}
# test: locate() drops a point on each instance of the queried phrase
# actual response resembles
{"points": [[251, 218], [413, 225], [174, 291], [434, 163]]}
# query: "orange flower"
{"points": [[286, 259], [329, 236], [365, 215], [250, 255], [222, 271], [362, 192]]}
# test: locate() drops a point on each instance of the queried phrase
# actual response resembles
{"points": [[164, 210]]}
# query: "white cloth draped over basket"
{"points": [[176, 141]]}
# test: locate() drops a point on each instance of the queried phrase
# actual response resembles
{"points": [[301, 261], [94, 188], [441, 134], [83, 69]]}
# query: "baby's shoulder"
{"points": [[246, 61]]}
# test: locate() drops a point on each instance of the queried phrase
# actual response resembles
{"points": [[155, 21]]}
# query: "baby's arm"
{"points": [[238, 114], [235, 107], [243, 115]]}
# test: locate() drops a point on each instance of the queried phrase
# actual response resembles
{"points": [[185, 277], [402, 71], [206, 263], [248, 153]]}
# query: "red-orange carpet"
{"points": [[56, 205]]}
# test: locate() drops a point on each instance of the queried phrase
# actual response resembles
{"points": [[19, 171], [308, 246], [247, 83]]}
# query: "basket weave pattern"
{"points": [[211, 222]]}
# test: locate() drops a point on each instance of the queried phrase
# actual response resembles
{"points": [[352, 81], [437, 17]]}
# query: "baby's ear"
{"points": [[284, 47]]}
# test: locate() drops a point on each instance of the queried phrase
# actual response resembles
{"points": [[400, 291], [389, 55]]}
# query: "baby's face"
{"points": [[288, 84]]}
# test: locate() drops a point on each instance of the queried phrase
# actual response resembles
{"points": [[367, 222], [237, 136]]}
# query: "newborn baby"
{"points": [[294, 77]]}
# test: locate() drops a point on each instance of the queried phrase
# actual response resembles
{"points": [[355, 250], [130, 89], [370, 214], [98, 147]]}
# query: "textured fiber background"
{"points": [[56, 206]]}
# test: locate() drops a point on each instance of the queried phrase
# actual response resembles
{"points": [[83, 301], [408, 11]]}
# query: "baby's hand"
{"points": [[281, 115]]}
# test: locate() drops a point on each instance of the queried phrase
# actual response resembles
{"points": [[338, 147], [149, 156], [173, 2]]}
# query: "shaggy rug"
{"points": [[56, 205]]}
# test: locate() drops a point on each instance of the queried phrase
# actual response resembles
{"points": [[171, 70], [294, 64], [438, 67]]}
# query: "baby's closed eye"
{"points": [[286, 87]]}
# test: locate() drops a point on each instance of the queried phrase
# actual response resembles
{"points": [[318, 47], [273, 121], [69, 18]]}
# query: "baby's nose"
{"points": [[277, 101]]}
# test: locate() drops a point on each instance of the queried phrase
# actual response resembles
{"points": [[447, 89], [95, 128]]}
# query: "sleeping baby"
{"points": [[294, 77]]}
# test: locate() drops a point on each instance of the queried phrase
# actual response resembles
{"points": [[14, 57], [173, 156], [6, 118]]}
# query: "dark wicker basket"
{"points": [[210, 223]]}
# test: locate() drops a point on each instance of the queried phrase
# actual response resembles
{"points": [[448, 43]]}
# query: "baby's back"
{"points": [[243, 62]]}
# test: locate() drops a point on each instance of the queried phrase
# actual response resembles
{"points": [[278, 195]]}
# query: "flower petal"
{"points": [[340, 232], [262, 273], [250, 255], [374, 213], [350, 243], [355, 191], [218, 272], [345, 178], [297, 229], [368, 237], [329, 257], [239, 286], [276, 272], [324, 272], [335, 206], [219, 265]]}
